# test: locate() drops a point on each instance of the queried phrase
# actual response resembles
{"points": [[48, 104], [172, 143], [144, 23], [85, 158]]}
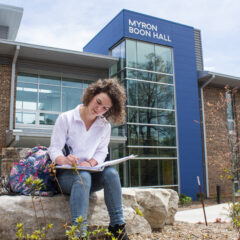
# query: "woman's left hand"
{"points": [[84, 164], [90, 163]]}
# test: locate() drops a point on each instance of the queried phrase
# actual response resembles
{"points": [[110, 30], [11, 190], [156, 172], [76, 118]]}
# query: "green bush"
{"points": [[199, 196], [184, 200], [234, 214]]}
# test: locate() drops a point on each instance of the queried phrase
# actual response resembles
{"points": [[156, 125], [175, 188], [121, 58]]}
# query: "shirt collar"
{"points": [[76, 113]]}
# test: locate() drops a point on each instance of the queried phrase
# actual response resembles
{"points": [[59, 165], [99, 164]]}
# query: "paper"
{"points": [[99, 167]]}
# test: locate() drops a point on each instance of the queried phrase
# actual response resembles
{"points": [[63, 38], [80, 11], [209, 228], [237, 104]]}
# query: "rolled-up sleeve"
{"points": [[58, 138], [102, 149]]}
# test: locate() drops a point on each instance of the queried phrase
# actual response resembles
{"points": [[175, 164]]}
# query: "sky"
{"points": [[71, 24]]}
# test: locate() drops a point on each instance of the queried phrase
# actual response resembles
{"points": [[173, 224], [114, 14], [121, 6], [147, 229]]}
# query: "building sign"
{"points": [[147, 30]]}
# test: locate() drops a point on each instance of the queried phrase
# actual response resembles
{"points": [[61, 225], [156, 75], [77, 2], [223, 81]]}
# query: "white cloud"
{"points": [[210, 68], [208, 60], [69, 37], [71, 24]]}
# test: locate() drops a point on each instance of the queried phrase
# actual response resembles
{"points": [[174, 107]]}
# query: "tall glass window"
{"points": [[145, 56], [151, 125], [230, 112], [41, 98], [163, 59], [230, 106], [119, 52]]}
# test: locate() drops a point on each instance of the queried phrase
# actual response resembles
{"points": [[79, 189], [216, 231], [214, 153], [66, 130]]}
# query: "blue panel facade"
{"points": [[146, 28], [128, 24]]}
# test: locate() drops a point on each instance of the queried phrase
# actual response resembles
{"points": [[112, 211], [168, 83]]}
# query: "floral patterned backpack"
{"points": [[35, 164]]}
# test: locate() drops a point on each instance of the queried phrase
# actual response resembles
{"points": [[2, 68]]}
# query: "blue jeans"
{"points": [[80, 187]]}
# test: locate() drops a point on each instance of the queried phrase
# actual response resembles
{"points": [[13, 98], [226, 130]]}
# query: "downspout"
{"points": [[12, 100], [204, 131]]}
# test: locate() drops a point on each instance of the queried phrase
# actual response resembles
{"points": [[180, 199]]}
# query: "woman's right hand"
{"points": [[71, 160]]}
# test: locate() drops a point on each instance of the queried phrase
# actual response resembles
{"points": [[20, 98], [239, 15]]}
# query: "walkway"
{"points": [[196, 215]]}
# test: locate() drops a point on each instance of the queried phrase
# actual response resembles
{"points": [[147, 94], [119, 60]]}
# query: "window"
{"points": [[144, 135], [131, 53], [49, 98], [148, 56], [150, 152], [232, 132], [145, 56], [119, 52], [230, 112], [27, 96], [152, 95], [41, 98], [163, 59], [148, 76], [162, 172], [151, 116]]}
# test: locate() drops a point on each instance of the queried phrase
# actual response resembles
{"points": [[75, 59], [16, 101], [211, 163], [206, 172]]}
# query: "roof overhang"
{"points": [[30, 137], [11, 17], [218, 79], [56, 55]]}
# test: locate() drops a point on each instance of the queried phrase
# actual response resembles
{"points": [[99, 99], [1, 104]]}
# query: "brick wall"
{"points": [[9, 156], [5, 92], [217, 141]]}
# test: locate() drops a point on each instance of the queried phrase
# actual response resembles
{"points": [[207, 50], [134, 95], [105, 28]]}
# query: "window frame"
{"points": [[38, 112]]}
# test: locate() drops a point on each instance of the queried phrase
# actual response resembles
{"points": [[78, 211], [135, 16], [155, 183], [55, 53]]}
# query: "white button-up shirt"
{"points": [[70, 129]]}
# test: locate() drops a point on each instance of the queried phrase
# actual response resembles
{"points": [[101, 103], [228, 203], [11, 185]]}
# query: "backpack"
{"points": [[35, 164]]}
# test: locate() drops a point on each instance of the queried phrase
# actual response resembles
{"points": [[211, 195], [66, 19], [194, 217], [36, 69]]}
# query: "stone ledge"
{"points": [[158, 206]]}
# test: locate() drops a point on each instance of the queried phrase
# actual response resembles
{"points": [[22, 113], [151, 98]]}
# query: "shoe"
{"points": [[119, 232]]}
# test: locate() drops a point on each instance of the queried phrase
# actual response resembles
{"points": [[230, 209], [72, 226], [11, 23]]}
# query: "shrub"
{"points": [[199, 196], [234, 214], [184, 200]]}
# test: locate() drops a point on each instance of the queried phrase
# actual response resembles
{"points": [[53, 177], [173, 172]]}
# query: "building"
{"points": [[159, 70], [168, 123]]}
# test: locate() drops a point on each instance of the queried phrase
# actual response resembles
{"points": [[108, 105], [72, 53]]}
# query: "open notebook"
{"points": [[99, 167]]}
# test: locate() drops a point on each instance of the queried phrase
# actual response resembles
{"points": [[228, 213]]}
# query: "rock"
{"points": [[158, 205], [98, 215], [172, 207], [19, 209], [155, 203]]}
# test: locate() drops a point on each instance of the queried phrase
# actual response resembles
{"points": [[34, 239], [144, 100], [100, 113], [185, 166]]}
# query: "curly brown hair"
{"points": [[116, 114]]}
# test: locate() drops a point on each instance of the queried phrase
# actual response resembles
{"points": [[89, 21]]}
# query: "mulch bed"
{"points": [[193, 231]]}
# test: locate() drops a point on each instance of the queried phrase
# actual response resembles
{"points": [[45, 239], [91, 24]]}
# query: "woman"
{"points": [[87, 131]]}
